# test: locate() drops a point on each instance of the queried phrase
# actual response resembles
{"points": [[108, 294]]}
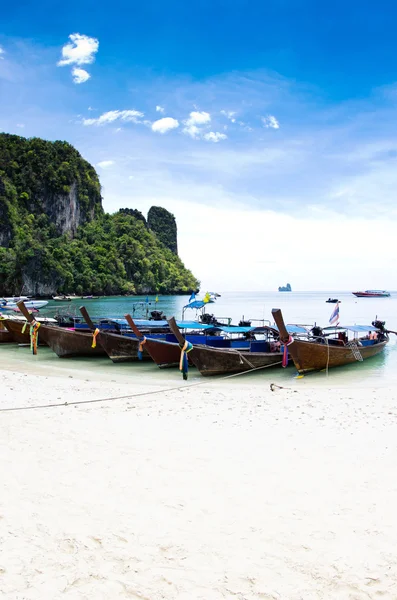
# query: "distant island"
{"points": [[286, 288], [55, 237]]}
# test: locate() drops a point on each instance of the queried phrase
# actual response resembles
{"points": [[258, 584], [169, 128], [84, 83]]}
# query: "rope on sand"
{"points": [[273, 386], [111, 399]]}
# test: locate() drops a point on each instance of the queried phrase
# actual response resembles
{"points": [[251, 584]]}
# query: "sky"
{"points": [[269, 129]]}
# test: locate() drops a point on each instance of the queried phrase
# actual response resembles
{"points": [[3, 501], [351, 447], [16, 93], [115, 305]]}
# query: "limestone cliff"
{"points": [[56, 238], [45, 178], [163, 224]]}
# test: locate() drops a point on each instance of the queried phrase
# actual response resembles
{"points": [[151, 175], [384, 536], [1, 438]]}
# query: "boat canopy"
{"points": [[354, 328], [195, 304], [294, 329], [191, 325]]}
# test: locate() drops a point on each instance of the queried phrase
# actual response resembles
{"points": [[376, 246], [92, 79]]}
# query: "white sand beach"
{"points": [[219, 491]]}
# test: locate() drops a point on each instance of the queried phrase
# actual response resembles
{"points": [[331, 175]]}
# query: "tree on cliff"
{"points": [[55, 237], [163, 224]]}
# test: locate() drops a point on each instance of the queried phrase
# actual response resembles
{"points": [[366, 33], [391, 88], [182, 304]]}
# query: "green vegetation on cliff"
{"points": [[55, 237], [163, 224]]}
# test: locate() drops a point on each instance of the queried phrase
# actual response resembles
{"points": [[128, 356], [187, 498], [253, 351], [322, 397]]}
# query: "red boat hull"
{"points": [[164, 354]]}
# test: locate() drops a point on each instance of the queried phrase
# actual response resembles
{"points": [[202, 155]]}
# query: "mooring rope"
{"points": [[111, 399]]}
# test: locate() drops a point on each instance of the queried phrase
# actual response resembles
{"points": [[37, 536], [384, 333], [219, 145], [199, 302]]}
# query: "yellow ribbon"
{"points": [[93, 345]]}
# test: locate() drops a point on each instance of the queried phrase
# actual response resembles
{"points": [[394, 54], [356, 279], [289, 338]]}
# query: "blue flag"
{"points": [[147, 299], [192, 297], [334, 318]]}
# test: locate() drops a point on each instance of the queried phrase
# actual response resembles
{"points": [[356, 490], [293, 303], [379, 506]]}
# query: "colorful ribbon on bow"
{"points": [[142, 341], [94, 336], [285, 353], [183, 362], [34, 336]]}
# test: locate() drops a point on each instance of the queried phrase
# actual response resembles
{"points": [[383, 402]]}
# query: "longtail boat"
{"points": [[221, 361], [119, 348], [330, 347], [163, 353], [64, 342], [20, 329], [166, 351]]}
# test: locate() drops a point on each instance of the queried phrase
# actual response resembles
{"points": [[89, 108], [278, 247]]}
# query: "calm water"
{"points": [[297, 307]]}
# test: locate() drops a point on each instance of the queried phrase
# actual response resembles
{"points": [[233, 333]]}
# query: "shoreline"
{"points": [[202, 493]]}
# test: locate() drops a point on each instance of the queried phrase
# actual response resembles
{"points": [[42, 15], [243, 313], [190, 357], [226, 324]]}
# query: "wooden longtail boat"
{"points": [[323, 352], [64, 342], [119, 348], [221, 361], [163, 353], [15, 328]]}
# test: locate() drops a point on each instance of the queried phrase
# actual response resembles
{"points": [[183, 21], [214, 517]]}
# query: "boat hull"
{"points": [[15, 329], [67, 343], [28, 303], [120, 348], [312, 356], [164, 354], [6, 336], [222, 361], [370, 295]]}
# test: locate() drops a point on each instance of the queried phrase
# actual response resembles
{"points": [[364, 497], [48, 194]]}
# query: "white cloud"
{"points": [[80, 50], [198, 118], [229, 114], [132, 116], [160, 109], [21, 125], [80, 75], [1, 52], [164, 125], [104, 164], [270, 121], [192, 130], [191, 124], [90, 108], [214, 136]]}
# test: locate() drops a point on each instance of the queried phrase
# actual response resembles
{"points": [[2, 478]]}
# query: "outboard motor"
{"points": [[379, 325], [317, 331], [207, 319], [157, 315]]}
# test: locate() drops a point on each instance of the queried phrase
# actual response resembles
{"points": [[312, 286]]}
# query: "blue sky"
{"points": [[266, 128]]}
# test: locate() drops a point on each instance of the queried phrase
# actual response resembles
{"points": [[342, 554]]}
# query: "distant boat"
{"points": [[4, 305], [372, 294], [286, 288], [15, 298], [62, 298], [333, 300]]}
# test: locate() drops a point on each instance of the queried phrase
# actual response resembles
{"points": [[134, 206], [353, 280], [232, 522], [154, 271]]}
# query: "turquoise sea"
{"points": [[298, 307]]}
